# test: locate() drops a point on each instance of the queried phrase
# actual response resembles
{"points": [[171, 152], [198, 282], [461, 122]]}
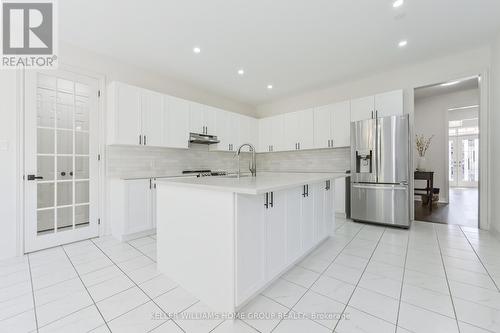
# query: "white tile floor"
{"points": [[433, 278]]}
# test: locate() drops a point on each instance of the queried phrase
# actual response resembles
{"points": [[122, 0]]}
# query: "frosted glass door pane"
{"points": [[45, 108], [81, 215], [45, 167], [64, 193], [45, 141], [65, 110], [81, 167], [65, 218], [64, 167], [45, 195], [82, 192], [45, 220], [82, 143], [64, 142]]}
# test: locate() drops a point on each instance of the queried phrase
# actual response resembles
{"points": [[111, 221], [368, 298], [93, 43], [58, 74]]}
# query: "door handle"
{"points": [[33, 177]]}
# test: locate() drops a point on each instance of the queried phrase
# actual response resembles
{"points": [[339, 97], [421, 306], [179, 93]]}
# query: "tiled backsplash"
{"points": [[319, 160], [132, 162]]}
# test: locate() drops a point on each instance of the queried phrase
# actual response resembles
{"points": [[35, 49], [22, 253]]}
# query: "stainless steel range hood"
{"points": [[203, 138]]}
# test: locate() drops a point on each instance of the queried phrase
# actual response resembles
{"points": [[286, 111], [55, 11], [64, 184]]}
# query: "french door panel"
{"points": [[61, 147], [464, 161]]}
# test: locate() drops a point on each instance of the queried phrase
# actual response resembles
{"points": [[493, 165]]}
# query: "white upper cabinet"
{"points": [[323, 126], [124, 114], [362, 108], [298, 130], [175, 122], [389, 103], [197, 118], [332, 125], [151, 118], [135, 116], [271, 134], [380, 105], [227, 126], [341, 124], [248, 131]]}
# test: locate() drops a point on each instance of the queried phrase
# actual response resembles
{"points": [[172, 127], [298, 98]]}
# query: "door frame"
{"points": [[485, 171], [101, 109]]}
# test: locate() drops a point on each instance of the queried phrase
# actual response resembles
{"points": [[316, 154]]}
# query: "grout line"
{"points": [[137, 285], [144, 254], [446, 275], [403, 280], [32, 292], [321, 274], [360, 277], [88, 292], [480, 260]]}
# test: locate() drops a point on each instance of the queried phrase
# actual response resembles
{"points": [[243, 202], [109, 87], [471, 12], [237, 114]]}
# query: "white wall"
{"points": [[495, 126], [431, 118], [408, 77], [9, 110], [134, 75]]}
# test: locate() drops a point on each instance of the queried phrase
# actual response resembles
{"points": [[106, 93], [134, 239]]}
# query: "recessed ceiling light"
{"points": [[241, 71], [397, 3], [451, 83], [269, 86], [196, 50], [403, 43]]}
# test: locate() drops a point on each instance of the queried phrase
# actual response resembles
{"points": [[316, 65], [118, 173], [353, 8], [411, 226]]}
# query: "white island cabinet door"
{"points": [[275, 221], [330, 208], [341, 124], [152, 118], [176, 122], [124, 114], [294, 239], [250, 246], [138, 205], [389, 103], [319, 191], [362, 108], [307, 219]]}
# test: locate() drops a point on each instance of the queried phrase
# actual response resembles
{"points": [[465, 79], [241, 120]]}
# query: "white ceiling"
{"points": [[297, 45], [437, 89]]}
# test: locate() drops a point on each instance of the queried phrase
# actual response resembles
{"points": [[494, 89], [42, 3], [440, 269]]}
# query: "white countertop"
{"points": [[264, 182]]}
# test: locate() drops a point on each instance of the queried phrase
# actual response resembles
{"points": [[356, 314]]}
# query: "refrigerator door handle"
{"points": [[380, 186]]}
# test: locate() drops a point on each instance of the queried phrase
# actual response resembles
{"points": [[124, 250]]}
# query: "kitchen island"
{"points": [[224, 239]]}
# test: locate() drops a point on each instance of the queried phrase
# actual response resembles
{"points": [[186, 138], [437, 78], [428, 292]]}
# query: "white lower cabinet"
{"points": [[275, 221], [276, 229], [132, 209]]}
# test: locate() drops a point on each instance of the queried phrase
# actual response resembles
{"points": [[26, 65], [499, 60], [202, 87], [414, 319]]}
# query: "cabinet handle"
{"points": [[307, 190], [140, 139], [150, 186], [304, 191], [328, 143], [272, 147], [376, 113], [299, 145], [271, 203], [266, 203], [144, 140], [372, 114], [327, 185]]}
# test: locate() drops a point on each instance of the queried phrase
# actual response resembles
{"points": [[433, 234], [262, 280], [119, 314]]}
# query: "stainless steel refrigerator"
{"points": [[380, 171]]}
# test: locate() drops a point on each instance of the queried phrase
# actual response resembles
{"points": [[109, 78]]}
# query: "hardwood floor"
{"points": [[463, 209]]}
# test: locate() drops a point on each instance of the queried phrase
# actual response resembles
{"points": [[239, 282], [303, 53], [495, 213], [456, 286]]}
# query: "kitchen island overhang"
{"points": [[225, 239]]}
